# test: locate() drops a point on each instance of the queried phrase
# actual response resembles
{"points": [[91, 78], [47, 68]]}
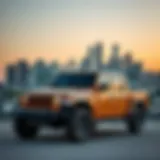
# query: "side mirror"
{"points": [[103, 87], [100, 87]]}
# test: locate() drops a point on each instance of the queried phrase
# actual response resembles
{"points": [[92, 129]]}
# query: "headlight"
{"points": [[23, 100], [58, 102], [62, 100], [55, 101], [66, 101]]}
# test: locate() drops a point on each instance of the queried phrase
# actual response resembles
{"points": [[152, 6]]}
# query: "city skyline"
{"points": [[21, 74], [105, 61], [60, 30]]}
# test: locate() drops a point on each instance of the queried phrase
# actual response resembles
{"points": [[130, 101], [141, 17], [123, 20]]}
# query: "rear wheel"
{"points": [[79, 125], [135, 120], [25, 129]]}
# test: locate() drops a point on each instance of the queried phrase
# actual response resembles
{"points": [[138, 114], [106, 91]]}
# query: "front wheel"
{"points": [[79, 125], [25, 129], [135, 120]]}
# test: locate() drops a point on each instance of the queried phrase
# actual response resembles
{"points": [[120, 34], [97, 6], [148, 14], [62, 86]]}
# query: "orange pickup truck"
{"points": [[76, 101]]}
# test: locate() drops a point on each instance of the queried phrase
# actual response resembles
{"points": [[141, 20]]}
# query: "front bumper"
{"points": [[45, 116]]}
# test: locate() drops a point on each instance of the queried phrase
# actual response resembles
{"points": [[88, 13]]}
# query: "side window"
{"points": [[104, 87], [114, 82], [103, 82], [121, 83]]}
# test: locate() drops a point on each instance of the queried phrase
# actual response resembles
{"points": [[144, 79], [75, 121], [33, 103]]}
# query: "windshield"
{"points": [[74, 80]]}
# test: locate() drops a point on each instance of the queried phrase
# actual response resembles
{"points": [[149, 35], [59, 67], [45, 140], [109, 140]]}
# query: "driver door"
{"points": [[116, 100], [108, 98], [101, 101]]}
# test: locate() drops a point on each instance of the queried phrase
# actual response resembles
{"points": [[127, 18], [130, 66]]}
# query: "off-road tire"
{"points": [[79, 127], [25, 129], [135, 120]]}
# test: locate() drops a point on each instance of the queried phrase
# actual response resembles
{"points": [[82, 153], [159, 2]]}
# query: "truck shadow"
{"points": [[98, 136], [54, 139]]}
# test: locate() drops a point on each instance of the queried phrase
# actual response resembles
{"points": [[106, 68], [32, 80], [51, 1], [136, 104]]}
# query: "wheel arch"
{"points": [[140, 104], [84, 104]]}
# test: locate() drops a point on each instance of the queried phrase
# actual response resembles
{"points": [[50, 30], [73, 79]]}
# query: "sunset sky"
{"points": [[62, 29]]}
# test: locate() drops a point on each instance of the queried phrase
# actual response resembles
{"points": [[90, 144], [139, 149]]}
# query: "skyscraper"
{"points": [[134, 70], [128, 59], [10, 77], [40, 74], [85, 64], [22, 71], [53, 70], [98, 50], [54, 67], [93, 59], [114, 61]]}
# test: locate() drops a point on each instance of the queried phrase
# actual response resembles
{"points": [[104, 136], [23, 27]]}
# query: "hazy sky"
{"points": [[62, 29]]}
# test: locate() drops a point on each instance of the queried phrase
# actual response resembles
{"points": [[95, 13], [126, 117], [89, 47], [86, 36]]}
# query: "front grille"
{"points": [[40, 101]]}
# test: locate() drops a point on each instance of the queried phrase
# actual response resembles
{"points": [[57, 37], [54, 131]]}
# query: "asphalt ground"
{"points": [[112, 142]]}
